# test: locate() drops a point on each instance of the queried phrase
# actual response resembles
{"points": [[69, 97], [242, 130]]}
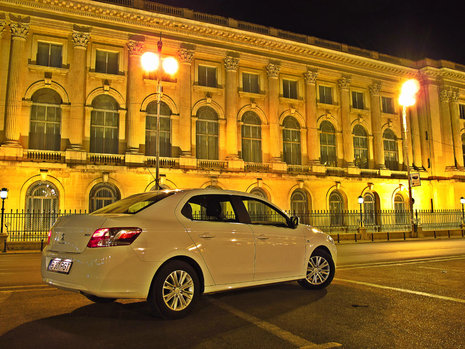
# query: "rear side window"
{"points": [[264, 214], [214, 208], [134, 203]]}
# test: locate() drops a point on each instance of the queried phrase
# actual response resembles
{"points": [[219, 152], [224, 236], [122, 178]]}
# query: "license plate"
{"points": [[60, 265]]}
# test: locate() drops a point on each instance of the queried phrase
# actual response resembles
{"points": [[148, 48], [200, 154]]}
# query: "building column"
{"points": [[313, 143], [134, 125], [185, 56], [415, 137], [446, 128], [80, 39], [272, 70], [455, 121], [376, 122], [348, 146], [19, 31], [423, 124], [231, 64]]}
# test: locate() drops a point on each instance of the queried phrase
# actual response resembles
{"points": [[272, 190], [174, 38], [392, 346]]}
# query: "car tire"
{"points": [[174, 290], [97, 299], [320, 270]]}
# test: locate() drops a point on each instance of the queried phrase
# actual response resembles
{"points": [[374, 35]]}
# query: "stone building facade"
{"points": [[308, 123]]}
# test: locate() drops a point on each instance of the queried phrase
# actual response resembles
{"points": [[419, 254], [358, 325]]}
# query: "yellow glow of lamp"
{"points": [[170, 65], [408, 91], [150, 61]]}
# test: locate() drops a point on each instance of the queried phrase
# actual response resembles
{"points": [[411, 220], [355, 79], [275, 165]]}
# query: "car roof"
{"points": [[197, 191]]}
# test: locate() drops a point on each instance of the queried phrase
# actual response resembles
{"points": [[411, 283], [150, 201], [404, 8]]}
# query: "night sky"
{"points": [[409, 29]]}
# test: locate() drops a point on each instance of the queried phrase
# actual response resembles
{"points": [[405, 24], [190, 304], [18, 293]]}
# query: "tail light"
{"points": [[106, 237], [49, 236]]}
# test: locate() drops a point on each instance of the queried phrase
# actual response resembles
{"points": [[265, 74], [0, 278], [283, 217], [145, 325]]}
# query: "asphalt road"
{"points": [[385, 295]]}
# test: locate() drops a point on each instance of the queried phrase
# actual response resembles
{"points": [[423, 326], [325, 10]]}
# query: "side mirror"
{"points": [[294, 222]]}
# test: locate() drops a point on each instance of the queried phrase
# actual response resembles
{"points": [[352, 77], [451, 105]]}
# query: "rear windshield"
{"points": [[134, 203]]}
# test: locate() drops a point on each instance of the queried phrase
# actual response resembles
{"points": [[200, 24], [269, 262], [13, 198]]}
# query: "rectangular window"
{"points": [[462, 111], [107, 62], [357, 100], [326, 94], [207, 76], [49, 55], [250, 83], [290, 89], [387, 105]]}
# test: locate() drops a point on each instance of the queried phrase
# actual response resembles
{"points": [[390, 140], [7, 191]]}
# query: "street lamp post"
{"points": [[3, 196], [360, 201], [462, 201], [154, 62], [407, 99]]}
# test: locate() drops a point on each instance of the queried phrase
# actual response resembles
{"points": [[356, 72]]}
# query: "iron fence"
{"points": [[35, 225]]}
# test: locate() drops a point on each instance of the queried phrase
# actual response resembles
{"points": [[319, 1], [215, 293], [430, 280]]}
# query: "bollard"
{"points": [[448, 233], [355, 235], [434, 232], [404, 235], [338, 241], [372, 237], [388, 236], [4, 246], [41, 245]]}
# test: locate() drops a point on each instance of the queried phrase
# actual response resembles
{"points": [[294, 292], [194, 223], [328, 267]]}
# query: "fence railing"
{"points": [[34, 225]]}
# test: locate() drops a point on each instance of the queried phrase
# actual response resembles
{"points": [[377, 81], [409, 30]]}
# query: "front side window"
{"points": [[387, 105], [390, 150], [250, 83], [151, 130], [357, 100], [336, 205], [212, 208], [328, 144], [326, 94], [49, 55], [207, 76], [104, 125], [45, 126], [207, 129], [41, 206], [264, 214], [360, 147], [290, 89], [107, 62], [291, 141], [251, 137], [102, 195]]}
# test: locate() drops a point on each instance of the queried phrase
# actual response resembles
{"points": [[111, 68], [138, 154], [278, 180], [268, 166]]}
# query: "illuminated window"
{"points": [[369, 209], [104, 125], [336, 206], [151, 130], [387, 105], [207, 129], [463, 147], [328, 144], [41, 206], [462, 111], [390, 150], [107, 62], [250, 83], [290, 89], [251, 137], [101, 195], [45, 126], [326, 94], [49, 55], [401, 214], [357, 100], [360, 147], [299, 205], [207, 76], [291, 141]]}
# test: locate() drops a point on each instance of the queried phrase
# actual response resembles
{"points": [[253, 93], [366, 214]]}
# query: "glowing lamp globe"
{"points": [[170, 65], [150, 61], [408, 91]]}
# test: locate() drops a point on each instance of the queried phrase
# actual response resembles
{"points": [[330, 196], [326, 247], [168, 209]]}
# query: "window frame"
{"points": [[108, 48], [219, 76], [391, 112], [327, 146], [256, 157], [361, 162], [360, 98], [389, 151], [63, 42], [326, 86]]}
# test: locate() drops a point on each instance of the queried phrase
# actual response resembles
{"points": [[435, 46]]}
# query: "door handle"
{"points": [[262, 237], [207, 236]]}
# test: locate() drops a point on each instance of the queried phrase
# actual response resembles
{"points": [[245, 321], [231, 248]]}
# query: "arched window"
{"points": [[391, 157], [463, 147], [207, 129], [291, 141], [369, 208], [328, 144], [41, 206], [251, 137], [299, 205], [45, 126], [360, 146], [151, 130], [101, 195], [258, 209], [259, 192], [402, 216], [336, 206], [104, 125]]}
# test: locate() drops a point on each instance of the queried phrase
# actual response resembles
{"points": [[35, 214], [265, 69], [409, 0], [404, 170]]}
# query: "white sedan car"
{"points": [[171, 246]]}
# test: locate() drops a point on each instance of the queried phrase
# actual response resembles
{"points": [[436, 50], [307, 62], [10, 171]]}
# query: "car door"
{"points": [[226, 245], [279, 248]]}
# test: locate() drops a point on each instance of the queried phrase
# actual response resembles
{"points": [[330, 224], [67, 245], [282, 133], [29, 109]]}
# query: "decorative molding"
{"points": [[272, 70], [445, 95], [375, 88], [19, 30], [135, 47], [185, 55], [2, 24], [310, 76], [231, 63], [80, 38], [344, 82]]}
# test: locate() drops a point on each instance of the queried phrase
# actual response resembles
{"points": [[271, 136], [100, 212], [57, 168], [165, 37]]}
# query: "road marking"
{"points": [[25, 288], [275, 330], [397, 263], [444, 270], [418, 293]]}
